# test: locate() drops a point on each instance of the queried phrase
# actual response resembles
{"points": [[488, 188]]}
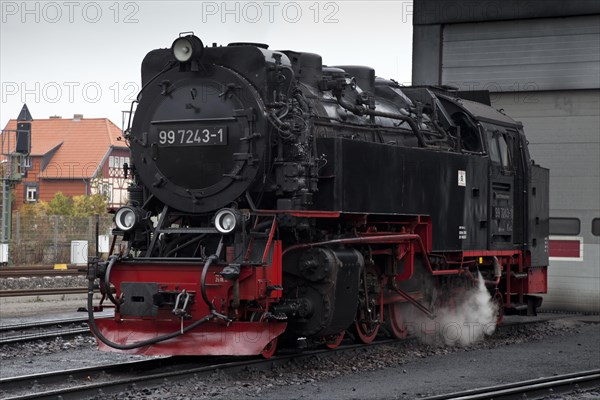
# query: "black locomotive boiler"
{"points": [[276, 197]]}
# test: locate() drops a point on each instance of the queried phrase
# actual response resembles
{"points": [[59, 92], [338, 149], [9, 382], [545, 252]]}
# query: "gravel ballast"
{"points": [[402, 370], [407, 370], [44, 282]]}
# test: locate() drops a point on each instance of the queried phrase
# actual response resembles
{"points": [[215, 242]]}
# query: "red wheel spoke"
{"points": [[396, 319]]}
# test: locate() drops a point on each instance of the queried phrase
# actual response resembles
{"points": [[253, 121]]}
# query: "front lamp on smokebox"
{"points": [[187, 48], [127, 218], [227, 220]]}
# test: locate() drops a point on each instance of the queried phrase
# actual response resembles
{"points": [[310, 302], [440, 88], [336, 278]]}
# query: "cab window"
{"points": [[504, 151], [498, 148], [492, 146]]}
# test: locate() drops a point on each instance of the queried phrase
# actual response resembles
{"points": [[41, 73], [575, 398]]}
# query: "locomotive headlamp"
{"points": [[227, 220], [186, 48], [127, 218]]}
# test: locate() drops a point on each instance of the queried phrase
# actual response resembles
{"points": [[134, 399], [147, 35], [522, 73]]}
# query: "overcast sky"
{"points": [[83, 57]]}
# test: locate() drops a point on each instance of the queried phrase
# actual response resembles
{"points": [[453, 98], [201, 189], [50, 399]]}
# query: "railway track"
{"points": [[530, 389], [42, 292], [43, 330], [40, 271], [114, 378]]}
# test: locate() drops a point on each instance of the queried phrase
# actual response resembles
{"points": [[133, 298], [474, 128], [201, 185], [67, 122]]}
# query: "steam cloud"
{"points": [[472, 317]]}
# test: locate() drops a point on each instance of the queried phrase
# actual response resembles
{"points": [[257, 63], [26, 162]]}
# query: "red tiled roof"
{"points": [[84, 144]]}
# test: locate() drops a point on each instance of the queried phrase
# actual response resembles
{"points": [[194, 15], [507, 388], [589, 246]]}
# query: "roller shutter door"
{"points": [[563, 130], [523, 55]]}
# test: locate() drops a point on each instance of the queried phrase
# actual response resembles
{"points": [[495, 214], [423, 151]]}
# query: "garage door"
{"points": [[540, 54], [562, 129]]}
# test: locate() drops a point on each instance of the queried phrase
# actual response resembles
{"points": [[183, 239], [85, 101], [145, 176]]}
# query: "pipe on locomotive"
{"points": [[362, 110], [207, 264], [111, 262]]}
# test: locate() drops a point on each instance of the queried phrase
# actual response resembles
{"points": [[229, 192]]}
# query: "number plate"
{"points": [[192, 136]]}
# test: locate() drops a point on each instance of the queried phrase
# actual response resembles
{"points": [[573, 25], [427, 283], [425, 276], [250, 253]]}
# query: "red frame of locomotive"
{"points": [[263, 283]]}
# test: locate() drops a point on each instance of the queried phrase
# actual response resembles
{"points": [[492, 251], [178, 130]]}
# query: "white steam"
{"points": [[468, 321]]}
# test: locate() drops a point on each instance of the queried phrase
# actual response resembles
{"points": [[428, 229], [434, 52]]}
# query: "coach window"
{"points": [[596, 227], [565, 226]]}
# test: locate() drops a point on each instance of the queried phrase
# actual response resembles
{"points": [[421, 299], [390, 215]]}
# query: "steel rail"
{"points": [[44, 335], [41, 324], [40, 333], [12, 384], [43, 266], [115, 383], [526, 389], [38, 274], [42, 292], [41, 270]]}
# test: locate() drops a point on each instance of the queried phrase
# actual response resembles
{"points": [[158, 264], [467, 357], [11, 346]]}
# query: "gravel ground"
{"points": [[593, 394], [45, 282], [14, 309], [407, 371], [51, 355], [32, 349]]}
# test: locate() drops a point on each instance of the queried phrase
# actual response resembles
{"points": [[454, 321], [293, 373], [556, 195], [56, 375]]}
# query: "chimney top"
{"points": [[55, 117], [77, 117]]}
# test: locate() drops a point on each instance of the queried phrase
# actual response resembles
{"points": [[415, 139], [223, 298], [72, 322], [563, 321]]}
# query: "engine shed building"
{"points": [[540, 61], [78, 156]]}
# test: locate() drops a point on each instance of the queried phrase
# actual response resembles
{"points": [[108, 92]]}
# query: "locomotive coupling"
{"points": [[182, 301]]}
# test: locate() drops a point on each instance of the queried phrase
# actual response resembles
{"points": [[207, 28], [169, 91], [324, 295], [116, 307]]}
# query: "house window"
{"points": [[105, 189], [27, 162], [117, 161], [31, 193]]}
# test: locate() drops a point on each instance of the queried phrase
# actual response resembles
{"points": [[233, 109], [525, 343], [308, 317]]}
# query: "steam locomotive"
{"points": [[274, 198]]}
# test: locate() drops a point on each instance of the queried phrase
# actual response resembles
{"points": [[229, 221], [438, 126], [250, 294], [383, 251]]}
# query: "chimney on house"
{"points": [[77, 117], [55, 117]]}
